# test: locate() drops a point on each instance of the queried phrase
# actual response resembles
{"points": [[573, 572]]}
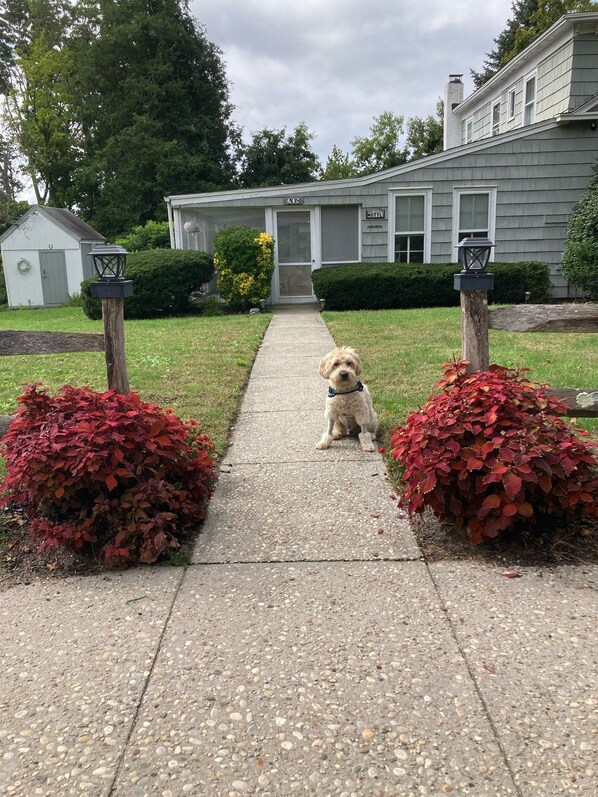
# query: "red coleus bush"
{"points": [[490, 450], [106, 472]]}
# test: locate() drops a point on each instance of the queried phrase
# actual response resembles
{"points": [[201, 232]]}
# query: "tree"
{"points": [[275, 158], [425, 136], [382, 148], [580, 259], [338, 165], [530, 19], [155, 113]]}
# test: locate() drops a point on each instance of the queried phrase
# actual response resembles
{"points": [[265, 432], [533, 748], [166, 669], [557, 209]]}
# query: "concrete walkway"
{"points": [[308, 650]]}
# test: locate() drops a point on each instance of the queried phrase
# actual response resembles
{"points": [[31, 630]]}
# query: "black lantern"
{"points": [[474, 254], [110, 262]]}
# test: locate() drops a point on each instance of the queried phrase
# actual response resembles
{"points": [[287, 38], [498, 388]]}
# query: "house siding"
{"points": [[584, 74]]}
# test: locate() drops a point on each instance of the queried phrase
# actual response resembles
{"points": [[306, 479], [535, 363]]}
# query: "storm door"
{"points": [[295, 255]]}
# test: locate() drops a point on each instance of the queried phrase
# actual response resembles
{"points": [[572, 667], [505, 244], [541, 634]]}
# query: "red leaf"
{"points": [[512, 484], [490, 502]]}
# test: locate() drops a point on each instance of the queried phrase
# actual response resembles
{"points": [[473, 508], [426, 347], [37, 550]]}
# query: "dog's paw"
{"points": [[365, 440], [324, 442]]}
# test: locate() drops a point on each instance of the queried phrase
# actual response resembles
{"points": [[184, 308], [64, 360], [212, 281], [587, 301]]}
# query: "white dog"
{"points": [[349, 407]]}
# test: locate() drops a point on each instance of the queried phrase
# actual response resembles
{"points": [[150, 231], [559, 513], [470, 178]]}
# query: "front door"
{"points": [[54, 282], [295, 248]]}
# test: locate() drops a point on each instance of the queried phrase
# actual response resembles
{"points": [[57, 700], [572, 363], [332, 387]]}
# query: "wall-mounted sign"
{"points": [[375, 213], [294, 200], [375, 227]]}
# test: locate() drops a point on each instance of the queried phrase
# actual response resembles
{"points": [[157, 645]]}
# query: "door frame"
{"points": [[316, 249]]}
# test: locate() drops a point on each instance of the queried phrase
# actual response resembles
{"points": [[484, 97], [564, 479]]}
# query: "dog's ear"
{"points": [[355, 356], [326, 365]]}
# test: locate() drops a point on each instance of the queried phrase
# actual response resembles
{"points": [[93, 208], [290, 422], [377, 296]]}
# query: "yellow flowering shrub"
{"points": [[244, 261]]}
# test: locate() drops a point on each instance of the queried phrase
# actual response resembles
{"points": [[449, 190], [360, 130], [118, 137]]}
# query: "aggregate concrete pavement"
{"points": [[308, 649]]}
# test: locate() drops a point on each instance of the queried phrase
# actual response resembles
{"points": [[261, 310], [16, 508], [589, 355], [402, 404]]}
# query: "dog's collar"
{"points": [[357, 389]]}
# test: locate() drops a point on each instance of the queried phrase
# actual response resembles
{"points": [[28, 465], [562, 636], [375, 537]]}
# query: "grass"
{"points": [[199, 365], [196, 365], [403, 351]]}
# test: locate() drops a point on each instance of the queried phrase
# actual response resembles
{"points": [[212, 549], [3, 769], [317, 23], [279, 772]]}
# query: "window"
{"points": [[410, 239], [496, 118], [511, 103], [468, 130], [529, 100], [340, 234], [474, 211]]}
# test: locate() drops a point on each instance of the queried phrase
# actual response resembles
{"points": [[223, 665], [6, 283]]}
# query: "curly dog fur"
{"points": [[349, 407]]}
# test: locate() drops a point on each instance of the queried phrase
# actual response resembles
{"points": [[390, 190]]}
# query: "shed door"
{"points": [[53, 273]]}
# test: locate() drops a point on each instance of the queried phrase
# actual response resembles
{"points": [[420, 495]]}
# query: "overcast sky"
{"points": [[335, 64]]}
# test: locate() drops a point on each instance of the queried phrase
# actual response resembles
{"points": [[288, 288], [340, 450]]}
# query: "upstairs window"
{"points": [[496, 118], [468, 130], [529, 100], [511, 104]]}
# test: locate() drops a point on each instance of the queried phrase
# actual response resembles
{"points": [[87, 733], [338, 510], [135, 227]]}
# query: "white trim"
{"points": [[426, 192], [468, 130], [458, 191]]}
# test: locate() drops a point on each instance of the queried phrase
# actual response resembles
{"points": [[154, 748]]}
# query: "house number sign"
{"points": [[294, 200], [375, 213]]}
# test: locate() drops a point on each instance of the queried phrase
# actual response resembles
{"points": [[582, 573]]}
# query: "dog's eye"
{"points": [[336, 364]]}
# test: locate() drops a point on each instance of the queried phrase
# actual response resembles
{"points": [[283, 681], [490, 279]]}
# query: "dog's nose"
{"points": [[344, 374]]}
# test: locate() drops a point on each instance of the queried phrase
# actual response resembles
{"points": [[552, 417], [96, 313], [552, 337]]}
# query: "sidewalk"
{"points": [[308, 649]]}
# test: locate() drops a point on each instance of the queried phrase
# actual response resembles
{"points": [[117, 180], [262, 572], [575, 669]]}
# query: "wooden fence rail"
{"points": [[554, 318], [14, 342]]}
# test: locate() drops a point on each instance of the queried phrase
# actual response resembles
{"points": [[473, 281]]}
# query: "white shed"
{"points": [[45, 256]]}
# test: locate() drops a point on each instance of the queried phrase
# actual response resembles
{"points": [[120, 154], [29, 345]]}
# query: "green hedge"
{"points": [[378, 286], [163, 279]]}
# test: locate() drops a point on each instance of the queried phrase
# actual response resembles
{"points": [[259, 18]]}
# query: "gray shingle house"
{"points": [[517, 154]]}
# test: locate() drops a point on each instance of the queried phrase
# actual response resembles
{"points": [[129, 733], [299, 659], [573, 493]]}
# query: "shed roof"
{"points": [[78, 228]]}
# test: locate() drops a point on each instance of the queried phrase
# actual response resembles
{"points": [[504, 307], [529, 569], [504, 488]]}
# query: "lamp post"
{"points": [[110, 263], [474, 282]]}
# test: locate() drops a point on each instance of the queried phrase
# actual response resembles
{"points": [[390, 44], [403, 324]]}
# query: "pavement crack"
{"points": [[125, 746], [453, 631]]}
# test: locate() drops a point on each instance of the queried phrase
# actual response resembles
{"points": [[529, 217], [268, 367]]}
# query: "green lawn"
{"points": [[198, 366], [404, 350]]}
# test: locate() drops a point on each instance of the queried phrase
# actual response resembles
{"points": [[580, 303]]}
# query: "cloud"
{"points": [[335, 64]]}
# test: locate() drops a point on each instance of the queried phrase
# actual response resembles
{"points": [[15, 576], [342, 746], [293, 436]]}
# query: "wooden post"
{"points": [[114, 340], [474, 330]]}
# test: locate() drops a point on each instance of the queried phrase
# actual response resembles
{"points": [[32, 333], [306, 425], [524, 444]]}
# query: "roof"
{"points": [[66, 219], [219, 197], [565, 25]]}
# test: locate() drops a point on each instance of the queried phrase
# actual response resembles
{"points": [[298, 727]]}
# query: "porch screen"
{"points": [[340, 234]]}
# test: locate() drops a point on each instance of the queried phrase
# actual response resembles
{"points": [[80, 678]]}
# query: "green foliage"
{"points": [[387, 145], [163, 280], [275, 158], [115, 105], [490, 450], [382, 148], [151, 235], [244, 260], [529, 19], [106, 470], [580, 259], [10, 212], [376, 286]]}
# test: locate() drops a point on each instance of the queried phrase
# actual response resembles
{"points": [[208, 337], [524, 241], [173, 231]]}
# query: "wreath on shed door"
{"points": [[23, 266]]}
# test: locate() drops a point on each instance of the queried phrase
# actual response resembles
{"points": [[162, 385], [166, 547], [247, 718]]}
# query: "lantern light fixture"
{"points": [[110, 263], [473, 256]]}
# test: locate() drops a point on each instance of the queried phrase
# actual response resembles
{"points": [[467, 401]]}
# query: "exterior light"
{"points": [[474, 254], [110, 262]]}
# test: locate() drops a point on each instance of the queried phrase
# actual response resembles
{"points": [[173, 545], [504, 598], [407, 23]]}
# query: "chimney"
{"points": [[453, 96]]}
